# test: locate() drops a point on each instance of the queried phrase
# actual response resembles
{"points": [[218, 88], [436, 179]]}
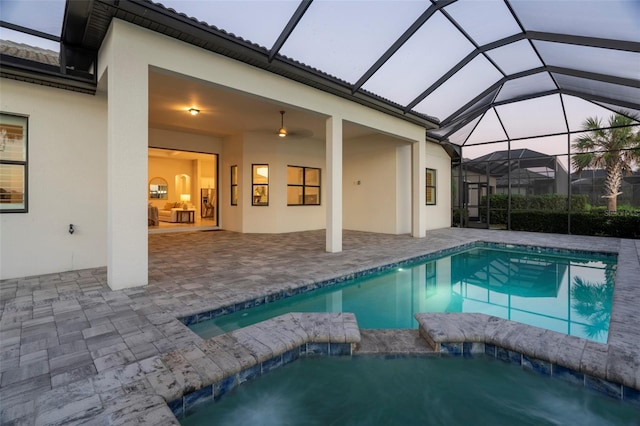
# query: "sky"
{"points": [[345, 38]]}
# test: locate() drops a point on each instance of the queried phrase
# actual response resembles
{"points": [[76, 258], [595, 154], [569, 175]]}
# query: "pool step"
{"points": [[403, 341]]}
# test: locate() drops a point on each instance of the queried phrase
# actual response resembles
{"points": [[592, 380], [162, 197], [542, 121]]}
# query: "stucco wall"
{"points": [[230, 216], [278, 154], [67, 182], [439, 216], [373, 199], [161, 138]]}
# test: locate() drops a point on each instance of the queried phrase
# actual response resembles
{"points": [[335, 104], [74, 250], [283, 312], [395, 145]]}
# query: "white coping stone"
{"points": [[259, 350], [578, 354]]}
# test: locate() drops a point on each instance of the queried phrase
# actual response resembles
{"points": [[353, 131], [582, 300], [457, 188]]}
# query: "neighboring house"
{"points": [[525, 171], [528, 172], [87, 161], [591, 183]]}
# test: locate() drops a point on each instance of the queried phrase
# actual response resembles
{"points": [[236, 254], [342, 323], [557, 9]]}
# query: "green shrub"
{"points": [[499, 204], [460, 217], [582, 223]]}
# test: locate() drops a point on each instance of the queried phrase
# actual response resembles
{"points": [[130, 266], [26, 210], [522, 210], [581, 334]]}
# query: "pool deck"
{"points": [[72, 351]]}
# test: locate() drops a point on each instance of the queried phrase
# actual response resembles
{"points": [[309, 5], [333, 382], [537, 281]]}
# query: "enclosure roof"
{"points": [[499, 163], [482, 71]]}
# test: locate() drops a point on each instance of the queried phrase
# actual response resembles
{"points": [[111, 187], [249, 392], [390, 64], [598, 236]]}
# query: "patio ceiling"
{"points": [[481, 71]]}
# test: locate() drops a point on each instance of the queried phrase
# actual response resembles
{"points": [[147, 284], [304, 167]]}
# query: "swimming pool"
{"points": [[409, 391], [568, 292]]}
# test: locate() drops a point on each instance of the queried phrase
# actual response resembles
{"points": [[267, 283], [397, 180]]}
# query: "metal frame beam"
{"points": [[288, 29], [30, 31], [400, 42], [605, 43]]}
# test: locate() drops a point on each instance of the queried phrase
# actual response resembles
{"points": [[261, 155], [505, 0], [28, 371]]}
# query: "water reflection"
{"points": [[568, 294], [593, 301], [516, 274]]}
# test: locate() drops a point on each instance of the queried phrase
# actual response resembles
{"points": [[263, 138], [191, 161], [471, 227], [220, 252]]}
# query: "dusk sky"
{"points": [[345, 38]]}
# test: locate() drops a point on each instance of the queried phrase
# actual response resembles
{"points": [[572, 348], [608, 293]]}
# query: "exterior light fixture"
{"points": [[282, 132], [194, 111]]}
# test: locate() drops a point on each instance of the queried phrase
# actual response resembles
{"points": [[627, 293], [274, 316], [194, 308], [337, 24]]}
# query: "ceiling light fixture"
{"points": [[194, 111], [282, 132]]}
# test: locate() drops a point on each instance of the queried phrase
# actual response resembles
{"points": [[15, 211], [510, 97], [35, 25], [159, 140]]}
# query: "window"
{"points": [[303, 186], [431, 187], [13, 163], [260, 185], [234, 185]]}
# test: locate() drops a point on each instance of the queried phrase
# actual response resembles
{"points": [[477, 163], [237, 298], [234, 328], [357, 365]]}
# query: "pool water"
{"points": [[409, 391], [568, 293]]}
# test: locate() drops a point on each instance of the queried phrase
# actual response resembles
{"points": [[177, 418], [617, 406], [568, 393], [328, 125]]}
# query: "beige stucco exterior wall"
{"points": [[67, 182], [278, 154], [377, 185], [439, 216], [161, 138], [231, 216]]}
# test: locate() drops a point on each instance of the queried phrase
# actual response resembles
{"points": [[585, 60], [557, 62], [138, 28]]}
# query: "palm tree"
{"points": [[615, 149]]}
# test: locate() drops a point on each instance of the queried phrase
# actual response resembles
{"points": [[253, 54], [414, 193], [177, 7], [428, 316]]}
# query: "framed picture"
{"points": [[13, 163]]}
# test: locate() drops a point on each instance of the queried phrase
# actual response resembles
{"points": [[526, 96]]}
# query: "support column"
{"points": [[418, 189], [127, 164], [334, 184]]}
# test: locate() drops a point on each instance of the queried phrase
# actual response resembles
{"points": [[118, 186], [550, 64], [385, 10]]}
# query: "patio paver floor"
{"points": [[63, 330]]}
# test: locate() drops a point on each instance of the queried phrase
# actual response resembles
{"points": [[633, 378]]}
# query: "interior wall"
{"points": [[168, 169], [67, 149], [201, 172], [439, 215], [370, 185]]}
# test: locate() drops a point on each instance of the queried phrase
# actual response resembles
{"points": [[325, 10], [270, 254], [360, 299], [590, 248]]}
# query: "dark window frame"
{"points": [[233, 185], [257, 188], [304, 186], [24, 164], [431, 187]]}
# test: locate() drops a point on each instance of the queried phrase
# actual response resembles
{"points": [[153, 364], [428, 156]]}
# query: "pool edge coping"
{"points": [[456, 333], [451, 334]]}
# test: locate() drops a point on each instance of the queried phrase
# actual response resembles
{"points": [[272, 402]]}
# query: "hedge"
{"points": [[584, 223], [499, 204]]}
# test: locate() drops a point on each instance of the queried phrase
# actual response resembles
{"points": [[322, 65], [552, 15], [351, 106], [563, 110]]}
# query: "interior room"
{"points": [[182, 190]]}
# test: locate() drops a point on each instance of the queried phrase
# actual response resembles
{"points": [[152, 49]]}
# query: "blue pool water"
{"points": [[409, 391], [570, 293]]}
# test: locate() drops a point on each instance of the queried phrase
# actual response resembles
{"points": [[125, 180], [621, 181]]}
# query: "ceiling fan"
{"points": [[283, 132]]}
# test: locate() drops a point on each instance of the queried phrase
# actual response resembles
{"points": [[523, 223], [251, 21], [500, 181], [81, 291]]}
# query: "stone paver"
{"points": [[61, 330]]}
